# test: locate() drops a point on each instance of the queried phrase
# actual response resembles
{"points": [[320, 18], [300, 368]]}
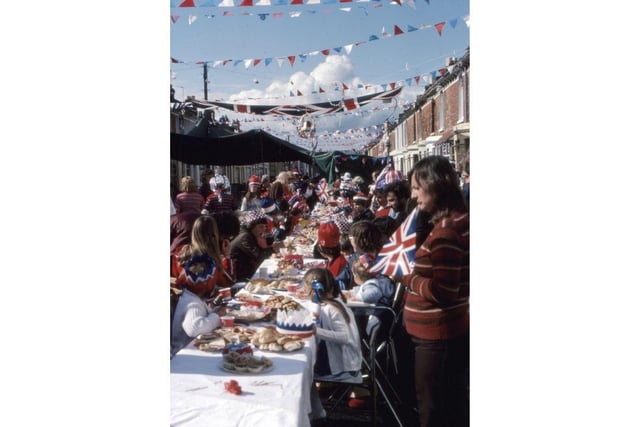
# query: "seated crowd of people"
{"points": [[210, 228]]}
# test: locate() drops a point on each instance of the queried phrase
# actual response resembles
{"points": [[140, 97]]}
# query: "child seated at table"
{"points": [[193, 316], [329, 247], [338, 355], [371, 288]]}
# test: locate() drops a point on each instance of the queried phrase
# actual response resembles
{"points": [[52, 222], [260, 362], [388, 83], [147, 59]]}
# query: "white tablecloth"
{"points": [[279, 397]]}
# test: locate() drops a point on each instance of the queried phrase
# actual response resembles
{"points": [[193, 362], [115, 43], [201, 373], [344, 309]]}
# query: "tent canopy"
{"points": [[247, 148], [334, 164]]}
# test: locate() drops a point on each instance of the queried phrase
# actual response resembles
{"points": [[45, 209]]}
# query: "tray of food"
{"points": [[270, 340], [245, 364]]}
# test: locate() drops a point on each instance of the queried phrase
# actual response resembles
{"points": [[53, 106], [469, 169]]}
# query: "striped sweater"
{"points": [[437, 301]]}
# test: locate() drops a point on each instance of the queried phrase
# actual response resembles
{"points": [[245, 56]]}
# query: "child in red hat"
{"points": [[329, 247]]}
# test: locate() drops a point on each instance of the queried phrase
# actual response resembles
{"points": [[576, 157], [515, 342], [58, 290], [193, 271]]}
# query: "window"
{"points": [[441, 111], [462, 97]]}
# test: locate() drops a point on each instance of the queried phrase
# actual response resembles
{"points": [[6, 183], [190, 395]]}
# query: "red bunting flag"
{"points": [[174, 18], [344, 87], [226, 61], [187, 3], [350, 104], [325, 52], [417, 79], [292, 59], [243, 108], [397, 2], [256, 62], [392, 85], [246, 3], [439, 26], [321, 90], [174, 60], [298, 93], [397, 31], [296, 2]]}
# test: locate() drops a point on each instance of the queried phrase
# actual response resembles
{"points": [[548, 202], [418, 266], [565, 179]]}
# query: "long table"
{"points": [[279, 397]]}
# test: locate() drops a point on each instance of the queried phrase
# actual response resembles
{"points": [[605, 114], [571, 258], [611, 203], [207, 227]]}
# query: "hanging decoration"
{"points": [[301, 110]]}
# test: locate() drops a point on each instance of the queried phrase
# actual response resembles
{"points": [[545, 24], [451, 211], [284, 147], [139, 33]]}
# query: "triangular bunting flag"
{"points": [[226, 61], [345, 9], [236, 62], [397, 31], [291, 93], [192, 19], [411, 3], [227, 13], [344, 87], [393, 85], [296, 2], [396, 2], [216, 63], [277, 15], [321, 90], [267, 61], [295, 14], [417, 79], [298, 93], [453, 22], [338, 49], [263, 3], [372, 38], [226, 3], [246, 3], [280, 61], [292, 59], [263, 16], [187, 3], [439, 27], [410, 28], [174, 60], [174, 18], [247, 62], [348, 48], [303, 57], [256, 62], [326, 51]]}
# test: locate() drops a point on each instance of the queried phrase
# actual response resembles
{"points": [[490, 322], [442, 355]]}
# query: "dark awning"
{"points": [[247, 148]]}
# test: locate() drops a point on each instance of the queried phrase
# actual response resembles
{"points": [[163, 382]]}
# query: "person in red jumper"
{"points": [[436, 310], [329, 247]]}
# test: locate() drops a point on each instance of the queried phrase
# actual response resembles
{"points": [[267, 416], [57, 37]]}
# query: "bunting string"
{"points": [[302, 57]]}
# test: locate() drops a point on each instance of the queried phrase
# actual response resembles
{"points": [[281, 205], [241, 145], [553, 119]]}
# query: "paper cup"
{"points": [[225, 292], [227, 321], [292, 288]]}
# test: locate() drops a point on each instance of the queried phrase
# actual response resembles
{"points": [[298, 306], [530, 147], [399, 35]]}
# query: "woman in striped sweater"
{"points": [[436, 311]]}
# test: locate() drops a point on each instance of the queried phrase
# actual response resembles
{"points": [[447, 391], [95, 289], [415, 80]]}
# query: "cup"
{"points": [[225, 293], [292, 288], [263, 272], [227, 321]]}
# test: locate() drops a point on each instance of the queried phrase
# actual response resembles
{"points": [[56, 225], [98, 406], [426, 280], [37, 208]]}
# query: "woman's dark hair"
{"points": [[438, 177], [386, 225], [366, 236], [331, 288], [228, 223]]}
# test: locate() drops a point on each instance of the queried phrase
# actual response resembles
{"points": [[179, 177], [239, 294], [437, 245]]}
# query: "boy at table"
{"points": [[329, 247]]}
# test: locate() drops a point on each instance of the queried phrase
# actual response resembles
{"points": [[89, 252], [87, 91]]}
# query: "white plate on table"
{"points": [[233, 371]]}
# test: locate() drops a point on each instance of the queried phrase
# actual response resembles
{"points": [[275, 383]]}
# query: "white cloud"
{"points": [[345, 129]]}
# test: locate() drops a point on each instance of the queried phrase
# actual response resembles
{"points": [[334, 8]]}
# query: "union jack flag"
{"points": [[397, 256], [321, 191], [387, 176]]}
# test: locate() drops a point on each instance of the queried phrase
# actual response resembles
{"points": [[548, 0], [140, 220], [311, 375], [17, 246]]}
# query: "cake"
{"points": [[295, 322]]}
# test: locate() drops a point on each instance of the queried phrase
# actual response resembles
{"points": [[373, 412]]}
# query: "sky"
{"points": [[410, 59]]}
